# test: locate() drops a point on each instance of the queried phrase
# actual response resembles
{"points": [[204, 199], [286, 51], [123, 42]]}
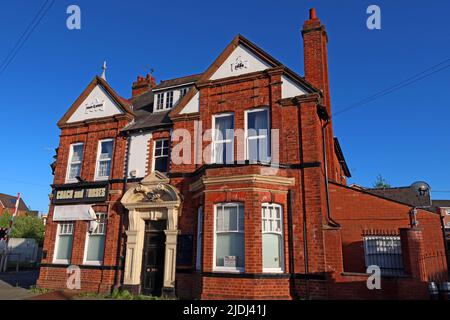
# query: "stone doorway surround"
{"points": [[151, 199]]}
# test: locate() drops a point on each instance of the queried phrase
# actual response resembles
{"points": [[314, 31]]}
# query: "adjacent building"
{"points": [[8, 204], [228, 184]]}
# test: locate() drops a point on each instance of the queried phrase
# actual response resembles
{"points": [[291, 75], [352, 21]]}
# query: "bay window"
{"points": [[229, 253], [63, 244], [95, 241], [272, 238], [161, 155], [223, 138], [104, 159], [75, 162], [257, 135]]}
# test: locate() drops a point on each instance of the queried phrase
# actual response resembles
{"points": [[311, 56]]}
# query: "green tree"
{"points": [[4, 219], [24, 226], [28, 227], [381, 182]]}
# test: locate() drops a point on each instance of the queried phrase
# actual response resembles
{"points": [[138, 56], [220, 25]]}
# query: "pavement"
{"points": [[15, 285]]}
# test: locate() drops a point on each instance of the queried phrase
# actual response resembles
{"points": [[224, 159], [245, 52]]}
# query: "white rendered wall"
{"points": [[137, 154]]}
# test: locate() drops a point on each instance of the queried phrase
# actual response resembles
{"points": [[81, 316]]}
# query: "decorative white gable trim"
{"points": [[98, 104], [193, 105], [290, 89], [240, 61]]}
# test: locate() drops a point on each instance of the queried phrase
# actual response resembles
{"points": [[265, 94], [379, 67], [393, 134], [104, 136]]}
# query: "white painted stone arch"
{"points": [[151, 199]]}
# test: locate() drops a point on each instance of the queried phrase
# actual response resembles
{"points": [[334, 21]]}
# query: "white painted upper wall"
{"points": [[290, 89], [193, 105], [240, 61], [98, 104], [137, 154]]}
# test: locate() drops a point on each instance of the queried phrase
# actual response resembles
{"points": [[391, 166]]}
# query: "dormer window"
{"points": [[183, 92], [169, 100], [160, 101]]}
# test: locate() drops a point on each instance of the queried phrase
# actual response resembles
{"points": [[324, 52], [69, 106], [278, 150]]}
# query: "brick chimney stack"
{"points": [[143, 85], [315, 41]]}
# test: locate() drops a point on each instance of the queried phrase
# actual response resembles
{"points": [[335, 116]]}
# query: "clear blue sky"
{"points": [[404, 136]]}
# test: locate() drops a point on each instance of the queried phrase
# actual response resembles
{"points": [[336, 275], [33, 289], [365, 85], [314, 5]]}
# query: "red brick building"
{"points": [[8, 205], [227, 184]]}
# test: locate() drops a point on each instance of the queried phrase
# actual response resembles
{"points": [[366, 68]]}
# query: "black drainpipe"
{"points": [[302, 193], [122, 217], [291, 244]]}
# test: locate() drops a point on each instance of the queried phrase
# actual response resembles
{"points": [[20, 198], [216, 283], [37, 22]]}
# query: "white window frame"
{"points": [[169, 100], [70, 162], [163, 156], [160, 99], [221, 268], [281, 233], [247, 138], [198, 259], [224, 140], [97, 163], [59, 226], [183, 92], [102, 219], [447, 211]]}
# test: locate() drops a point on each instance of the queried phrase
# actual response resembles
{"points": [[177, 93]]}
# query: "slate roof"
{"points": [[9, 202], [148, 120], [177, 81], [403, 195], [435, 204]]}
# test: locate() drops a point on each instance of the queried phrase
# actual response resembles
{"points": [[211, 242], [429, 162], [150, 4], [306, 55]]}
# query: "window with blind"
{"points": [[272, 238], [63, 244], [104, 159], [258, 135], [223, 138], [95, 241], [384, 252], [229, 237], [75, 162]]}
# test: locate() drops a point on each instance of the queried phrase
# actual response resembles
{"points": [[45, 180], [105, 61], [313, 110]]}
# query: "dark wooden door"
{"points": [[153, 263]]}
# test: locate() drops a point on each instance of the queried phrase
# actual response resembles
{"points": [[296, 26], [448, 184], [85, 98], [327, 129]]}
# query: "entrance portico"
{"points": [[152, 199]]}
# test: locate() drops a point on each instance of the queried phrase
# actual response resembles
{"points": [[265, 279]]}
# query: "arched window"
{"points": [[272, 238]]}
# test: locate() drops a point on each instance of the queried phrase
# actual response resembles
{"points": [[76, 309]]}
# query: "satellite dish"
{"points": [[421, 188]]}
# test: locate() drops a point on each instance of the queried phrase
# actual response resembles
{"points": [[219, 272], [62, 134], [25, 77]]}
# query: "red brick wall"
{"points": [[95, 279]]}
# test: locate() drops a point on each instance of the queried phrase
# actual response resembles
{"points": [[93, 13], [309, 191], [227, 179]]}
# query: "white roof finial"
{"points": [[103, 76]]}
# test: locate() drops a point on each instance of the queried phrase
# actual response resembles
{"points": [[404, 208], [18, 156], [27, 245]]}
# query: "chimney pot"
{"points": [[312, 13], [143, 84]]}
